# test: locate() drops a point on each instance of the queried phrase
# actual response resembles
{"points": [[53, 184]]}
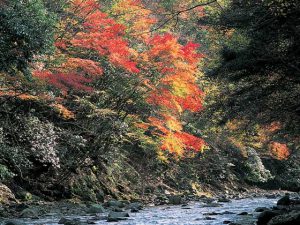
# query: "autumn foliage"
{"points": [[175, 92], [88, 37], [279, 151], [88, 31]]}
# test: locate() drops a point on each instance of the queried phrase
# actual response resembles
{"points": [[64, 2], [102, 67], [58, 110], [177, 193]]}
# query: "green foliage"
{"points": [[260, 60], [251, 76], [5, 173], [26, 29]]}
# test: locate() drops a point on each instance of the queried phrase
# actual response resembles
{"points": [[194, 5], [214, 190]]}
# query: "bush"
{"points": [[42, 140], [5, 174], [26, 29], [256, 171]]}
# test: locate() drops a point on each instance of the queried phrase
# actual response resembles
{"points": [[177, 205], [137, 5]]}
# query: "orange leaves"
{"points": [[175, 92], [191, 142], [167, 71], [170, 132], [178, 64], [279, 151], [88, 30], [63, 111], [84, 7], [87, 66], [105, 36], [164, 48]]}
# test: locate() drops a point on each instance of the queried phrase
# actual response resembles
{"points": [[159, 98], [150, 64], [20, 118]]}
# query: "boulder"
{"points": [[135, 205], [291, 218], [211, 214], [266, 216], [12, 222], [116, 209], [208, 200], [175, 200], [284, 201], [227, 213], [29, 213], [209, 218], [224, 200], [115, 203], [6, 196], [117, 216], [134, 210], [271, 196], [96, 208], [212, 205], [66, 221], [261, 209]]}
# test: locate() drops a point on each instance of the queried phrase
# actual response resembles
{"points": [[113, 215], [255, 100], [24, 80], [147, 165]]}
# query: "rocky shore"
{"points": [[285, 213]]}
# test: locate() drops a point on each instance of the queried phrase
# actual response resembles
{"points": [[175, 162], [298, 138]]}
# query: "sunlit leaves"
{"points": [[166, 70], [175, 92], [137, 18], [88, 30]]}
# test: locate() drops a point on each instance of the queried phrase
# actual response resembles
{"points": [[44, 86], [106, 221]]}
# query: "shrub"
{"points": [[256, 171], [42, 139]]}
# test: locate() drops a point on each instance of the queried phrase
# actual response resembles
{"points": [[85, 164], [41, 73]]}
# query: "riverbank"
{"points": [[186, 205], [201, 212]]}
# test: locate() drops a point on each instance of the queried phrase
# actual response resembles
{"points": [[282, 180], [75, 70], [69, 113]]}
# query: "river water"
{"points": [[194, 213]]}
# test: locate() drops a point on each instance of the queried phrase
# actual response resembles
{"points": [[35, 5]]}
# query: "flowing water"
{"points": [[194, 213]]}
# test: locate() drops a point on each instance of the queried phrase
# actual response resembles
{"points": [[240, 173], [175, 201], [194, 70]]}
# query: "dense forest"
{"points": [[139, 99]]}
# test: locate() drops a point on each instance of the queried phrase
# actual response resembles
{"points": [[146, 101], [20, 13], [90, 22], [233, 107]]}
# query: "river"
{"points": [[193, 213]]}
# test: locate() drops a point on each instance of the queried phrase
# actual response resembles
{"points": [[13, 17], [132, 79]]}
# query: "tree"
{"points": [[26, 30]]}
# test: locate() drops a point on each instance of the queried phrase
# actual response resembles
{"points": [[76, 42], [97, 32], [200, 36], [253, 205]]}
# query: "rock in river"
{"points": [[96, 208], [291, 218], [116, 216], [266, 216]]}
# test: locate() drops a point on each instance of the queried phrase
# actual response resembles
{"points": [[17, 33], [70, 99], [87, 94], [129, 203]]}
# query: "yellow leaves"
{"points": [[233, 124], [180, 88], [135, 16], [173, 124], [162, 156], [105, 112], [63, 111], [25, 96], [173, 144]]}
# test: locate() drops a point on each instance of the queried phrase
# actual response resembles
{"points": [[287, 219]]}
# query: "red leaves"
{"points": [[189, 52], [106, 37], [94, 35], [176, 91], [94, 31], [65, 81], [190, 141]]}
